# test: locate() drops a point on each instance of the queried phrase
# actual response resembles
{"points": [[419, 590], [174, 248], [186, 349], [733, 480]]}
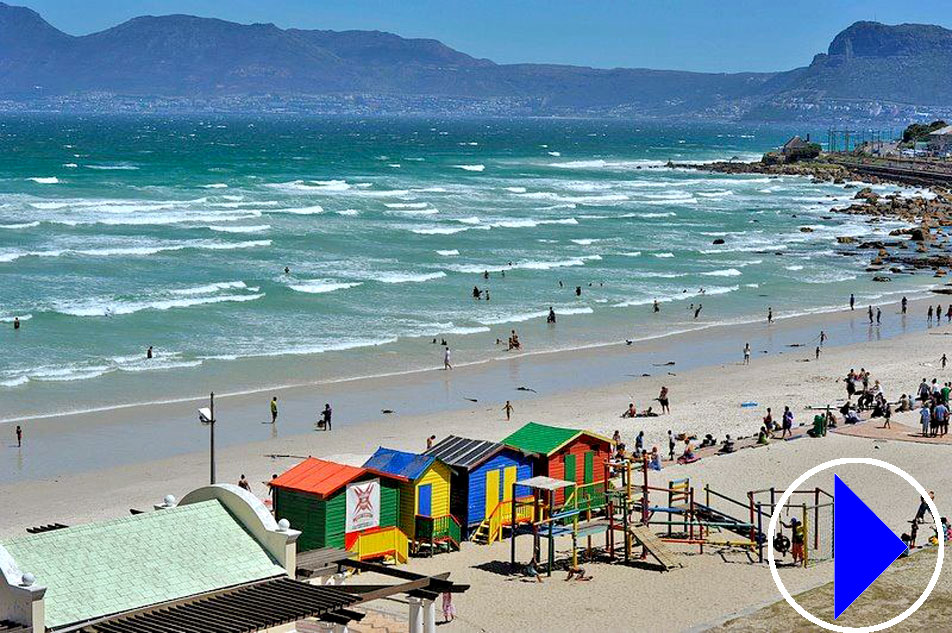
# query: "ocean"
{"points": [[121, 233]]}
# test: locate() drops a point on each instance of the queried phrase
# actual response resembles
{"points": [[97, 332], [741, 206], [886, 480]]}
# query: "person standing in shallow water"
{"points": [[19, 433], [274, 409], [747, 353], [769, 316], [852, 301], [446, 358], [16, 323], [904, 303], [148, 353]]}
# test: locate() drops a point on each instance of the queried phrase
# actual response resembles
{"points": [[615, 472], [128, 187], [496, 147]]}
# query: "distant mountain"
{"points": [[870, 69]]}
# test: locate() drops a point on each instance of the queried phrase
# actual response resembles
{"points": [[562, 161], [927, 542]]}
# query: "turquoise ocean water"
{"points": [[120, 233]]}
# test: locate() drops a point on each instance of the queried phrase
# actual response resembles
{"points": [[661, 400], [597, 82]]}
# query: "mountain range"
{"points": [[871, 70]]}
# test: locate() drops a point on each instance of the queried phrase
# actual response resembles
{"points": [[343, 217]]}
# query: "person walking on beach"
{"points": [[879, 315], [943, 360], [929, 315], [822, 338], [870, 311], [852, 302], [274, 409], [925, 420], [747, 353], [769, 316], [446, 359], [326, 416], [671, 445], [787, 430], [817, 353], [923, 508], [508, 409], [19, 433], [904, 303], [663, 400]]}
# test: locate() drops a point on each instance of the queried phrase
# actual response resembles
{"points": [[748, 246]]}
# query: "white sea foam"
{"points": [[470, 220], [24, 225], [448, 253], [470, 167], [349, 212], [215, 185], [403, 278], [438, 230], [528, 316], [260, 228], [716, 194], [118, 167], [115, 307], [135, 251], [664, 255], [41, 180], [311, 210], [584, 242], [555, 154], [727, 272], [321, 286], [516, 189], [406, 205], [209, 288], [70, 165], [794, 267]]}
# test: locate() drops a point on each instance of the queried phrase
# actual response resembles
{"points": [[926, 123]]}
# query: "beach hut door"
{"points": [[492, 491], [508, 479], [425, 503]]}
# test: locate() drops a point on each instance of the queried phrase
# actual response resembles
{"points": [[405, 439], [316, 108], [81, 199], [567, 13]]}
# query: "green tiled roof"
{"points": [[540, 438], [106, 568]]}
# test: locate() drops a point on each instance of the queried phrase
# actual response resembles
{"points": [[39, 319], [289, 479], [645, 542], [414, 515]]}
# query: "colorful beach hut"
{"points": [[569, 454], [482, 479], [424, 497], [335, 505]]}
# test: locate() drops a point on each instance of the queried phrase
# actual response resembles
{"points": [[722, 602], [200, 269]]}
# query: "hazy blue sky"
{"points": [[708, 35]]}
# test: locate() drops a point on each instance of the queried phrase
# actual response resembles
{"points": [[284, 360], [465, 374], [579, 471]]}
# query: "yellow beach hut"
{"points": [[424, 498]]}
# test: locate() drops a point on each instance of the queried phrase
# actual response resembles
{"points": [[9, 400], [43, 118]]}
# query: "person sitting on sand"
{"points": [[851, 417], [654, 459], [708, 441], [647, 413], [727, 446], [631, 412], [904, 404], [577, 573], [762, 437], [689, 455]]}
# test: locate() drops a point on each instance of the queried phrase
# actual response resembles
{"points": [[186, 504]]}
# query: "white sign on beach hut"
{"points": [[363, 505]]}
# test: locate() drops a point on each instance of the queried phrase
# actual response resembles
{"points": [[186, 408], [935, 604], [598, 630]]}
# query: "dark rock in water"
{"points": [[919, 234], [718, 241], [882, 278], [806, 229], [942, 291], [825, 217], [846, 239]]}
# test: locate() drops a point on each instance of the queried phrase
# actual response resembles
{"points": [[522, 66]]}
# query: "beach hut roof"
{"points": [[462, 452], [400, 463], [323, 478], [540, 482], [545, 439]]}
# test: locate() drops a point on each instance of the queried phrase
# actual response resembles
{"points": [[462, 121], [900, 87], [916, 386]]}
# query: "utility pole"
{"points": [[211, 438]]}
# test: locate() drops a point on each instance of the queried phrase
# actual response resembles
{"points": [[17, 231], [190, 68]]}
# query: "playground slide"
{"points": [[653, 546]]}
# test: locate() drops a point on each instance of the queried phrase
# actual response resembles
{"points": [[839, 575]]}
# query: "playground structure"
{"points": [[625, 507]]}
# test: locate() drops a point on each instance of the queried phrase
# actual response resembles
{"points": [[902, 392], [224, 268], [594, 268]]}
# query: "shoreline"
{"points": [[90, 441]]}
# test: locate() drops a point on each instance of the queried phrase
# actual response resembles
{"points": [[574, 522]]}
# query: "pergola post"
{"points": [[416, 614], [429, 616]]}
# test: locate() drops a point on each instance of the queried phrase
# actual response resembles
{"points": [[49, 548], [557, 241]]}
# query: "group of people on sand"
{"points": [[934, 407], [323, 422]]}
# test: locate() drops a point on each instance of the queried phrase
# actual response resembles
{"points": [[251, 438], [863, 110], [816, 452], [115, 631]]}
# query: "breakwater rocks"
{"points": [[924, 246], [819, 170]]}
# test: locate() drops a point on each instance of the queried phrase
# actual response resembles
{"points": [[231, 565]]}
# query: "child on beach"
{"points": [[449, 611], [799, 535], [654, 462], [671, 445], [508, 409], [533, 571]]}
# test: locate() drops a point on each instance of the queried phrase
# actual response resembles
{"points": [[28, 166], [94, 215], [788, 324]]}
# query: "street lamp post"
{"points": [[207, 417]]}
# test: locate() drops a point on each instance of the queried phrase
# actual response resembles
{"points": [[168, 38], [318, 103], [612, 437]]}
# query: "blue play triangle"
{"points": [[864, 546]]}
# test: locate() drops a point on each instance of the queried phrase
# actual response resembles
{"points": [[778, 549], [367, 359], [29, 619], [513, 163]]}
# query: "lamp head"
{"points": [[205, 415]]}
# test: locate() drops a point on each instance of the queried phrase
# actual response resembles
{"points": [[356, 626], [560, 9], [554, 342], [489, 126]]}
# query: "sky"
{"points": [[701, 35]]}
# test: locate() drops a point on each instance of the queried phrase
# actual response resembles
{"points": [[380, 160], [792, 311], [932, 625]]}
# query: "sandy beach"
{"points": [[705, 399]]}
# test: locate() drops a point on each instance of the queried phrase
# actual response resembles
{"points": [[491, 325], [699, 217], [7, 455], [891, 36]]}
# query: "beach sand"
{"points": [[707, 591]]}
